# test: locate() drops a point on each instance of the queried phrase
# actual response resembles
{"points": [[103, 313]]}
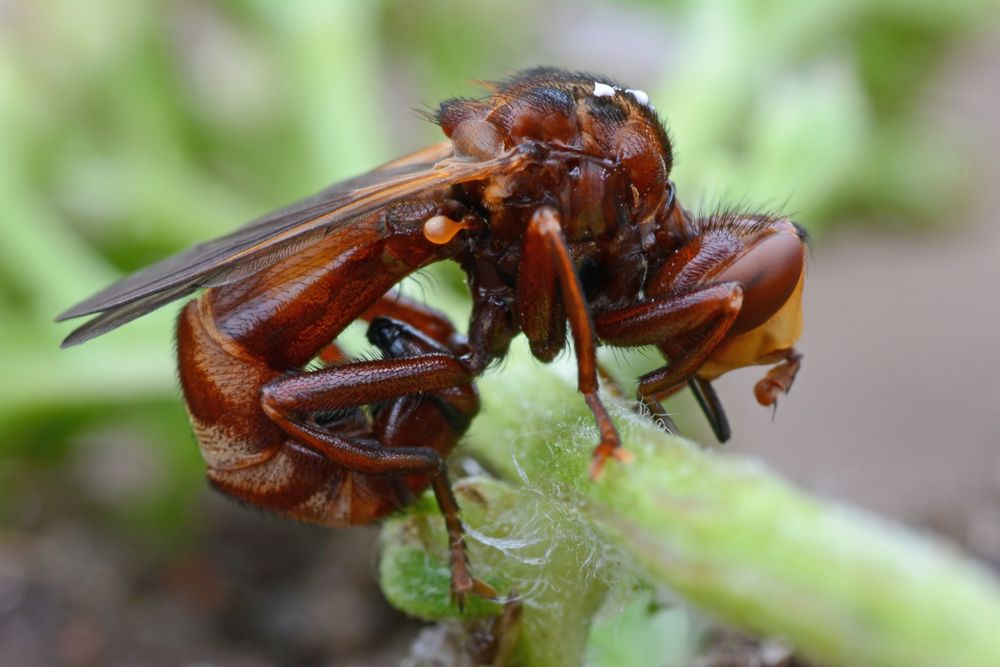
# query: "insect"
{"points": [[553, 195]]}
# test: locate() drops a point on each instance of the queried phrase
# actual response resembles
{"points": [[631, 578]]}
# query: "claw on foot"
{"points": [[462, 588], [484, 590], [461, 585], [603, 453], [610, 444]]}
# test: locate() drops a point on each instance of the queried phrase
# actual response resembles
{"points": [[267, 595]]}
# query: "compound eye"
{"points": [[769, 271], [477, 139], [641, 155]]}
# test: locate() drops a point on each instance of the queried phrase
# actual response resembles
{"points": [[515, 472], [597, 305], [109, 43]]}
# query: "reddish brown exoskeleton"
{"points": [[552, 193]]}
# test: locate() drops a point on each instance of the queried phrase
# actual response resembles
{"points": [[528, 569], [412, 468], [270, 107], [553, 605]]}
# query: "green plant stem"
{"points": [[727, 535]]}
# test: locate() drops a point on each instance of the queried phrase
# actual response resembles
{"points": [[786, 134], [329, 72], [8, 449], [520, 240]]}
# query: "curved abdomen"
{"points": [[236, 338]]}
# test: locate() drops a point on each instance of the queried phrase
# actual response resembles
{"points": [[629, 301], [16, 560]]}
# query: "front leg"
{"points": [[704, 316], [425, 401], [546, 256]]}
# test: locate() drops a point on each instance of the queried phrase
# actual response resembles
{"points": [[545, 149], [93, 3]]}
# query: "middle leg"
{"points": [[702, 316]]}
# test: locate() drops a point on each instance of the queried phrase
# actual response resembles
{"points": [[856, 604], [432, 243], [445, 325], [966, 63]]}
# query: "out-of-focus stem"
{"points": [[738, 543]]}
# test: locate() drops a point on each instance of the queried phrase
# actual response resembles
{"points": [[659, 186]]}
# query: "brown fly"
{"points": [[553, 195]]}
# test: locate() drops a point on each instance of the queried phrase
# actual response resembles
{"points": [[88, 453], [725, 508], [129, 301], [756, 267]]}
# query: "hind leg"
{"points": [[426, 403]]}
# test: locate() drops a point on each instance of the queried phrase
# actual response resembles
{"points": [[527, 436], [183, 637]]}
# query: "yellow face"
{"points": [[765, 344]]}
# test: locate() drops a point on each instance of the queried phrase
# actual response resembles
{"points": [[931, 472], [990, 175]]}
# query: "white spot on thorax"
{"points": [[640, 96], [603, 90]]}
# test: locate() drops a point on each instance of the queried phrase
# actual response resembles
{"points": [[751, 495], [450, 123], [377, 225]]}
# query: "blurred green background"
{"points": [[131, 130]]}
